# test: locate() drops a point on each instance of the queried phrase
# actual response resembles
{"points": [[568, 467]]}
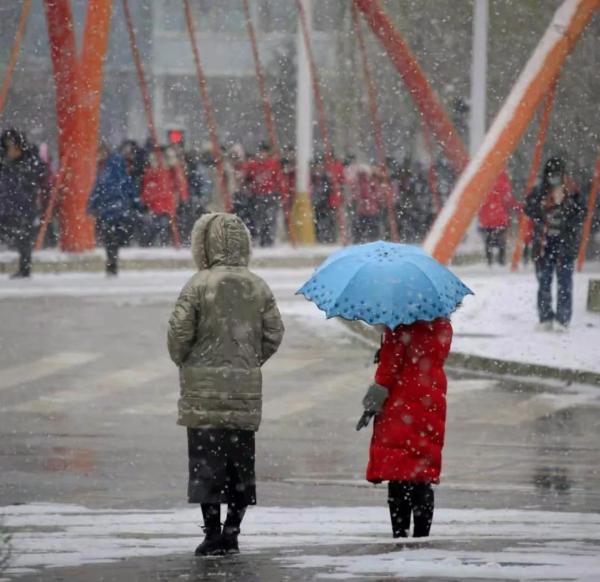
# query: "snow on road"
{"points": [[466, 543], [498, 322]]}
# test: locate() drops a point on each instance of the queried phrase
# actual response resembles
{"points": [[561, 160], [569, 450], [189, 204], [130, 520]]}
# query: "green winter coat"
{"points": [[224, 327]]}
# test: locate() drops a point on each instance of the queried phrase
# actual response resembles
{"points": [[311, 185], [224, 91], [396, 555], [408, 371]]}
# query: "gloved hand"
{"points": [[373, 403]]}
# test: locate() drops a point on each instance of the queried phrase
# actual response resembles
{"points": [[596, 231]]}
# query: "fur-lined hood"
{"points": [[220, 239]]}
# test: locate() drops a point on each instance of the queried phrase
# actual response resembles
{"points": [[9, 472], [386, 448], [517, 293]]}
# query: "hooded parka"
{"points": [[224, 327]]}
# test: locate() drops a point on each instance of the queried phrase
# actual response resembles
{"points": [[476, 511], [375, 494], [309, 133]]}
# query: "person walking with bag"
{"points": [[224, 327]]}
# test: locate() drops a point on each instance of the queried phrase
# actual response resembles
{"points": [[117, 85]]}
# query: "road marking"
{"points": [[38, 369], [301, 401], [107, 385]]}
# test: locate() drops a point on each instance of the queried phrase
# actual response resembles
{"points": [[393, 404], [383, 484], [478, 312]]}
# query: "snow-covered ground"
{"points": [[169, 253], [465, 543], [498, 322]]}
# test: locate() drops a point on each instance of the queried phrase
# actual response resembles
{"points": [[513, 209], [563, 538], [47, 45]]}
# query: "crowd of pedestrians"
{"points": [[147, 195]]}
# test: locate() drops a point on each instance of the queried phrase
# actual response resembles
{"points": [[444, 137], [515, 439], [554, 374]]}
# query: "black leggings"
{"points": [[211, 512], [406, 497]]}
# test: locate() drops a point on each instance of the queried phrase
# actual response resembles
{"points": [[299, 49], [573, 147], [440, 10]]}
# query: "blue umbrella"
{"points": [[384, 283]]}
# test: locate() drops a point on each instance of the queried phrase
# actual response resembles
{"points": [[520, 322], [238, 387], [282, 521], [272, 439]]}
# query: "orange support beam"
{"points": [[376, 123], [587, 225], [78, 85], [533, 172], [508, 128], [428, 103], [268, 116], [14, 54], [208, 109]]}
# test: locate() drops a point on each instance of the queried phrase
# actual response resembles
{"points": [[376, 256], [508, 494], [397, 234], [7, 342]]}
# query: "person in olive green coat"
{"points": [[224, 327]]}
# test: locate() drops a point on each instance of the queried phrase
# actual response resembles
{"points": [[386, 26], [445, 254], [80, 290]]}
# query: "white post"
{"points": [[302, 211], [478, 75]]}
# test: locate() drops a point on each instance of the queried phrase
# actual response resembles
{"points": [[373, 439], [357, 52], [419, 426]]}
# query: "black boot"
{"points": [[231, 528], [400, 503], [423, 509], [400, 518], [229, 540], [211, 546]]}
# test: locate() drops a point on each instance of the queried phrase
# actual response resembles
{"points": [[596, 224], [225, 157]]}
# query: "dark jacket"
{"points": [[572, 212], [114, 195], [224, 327], [20, 183]]}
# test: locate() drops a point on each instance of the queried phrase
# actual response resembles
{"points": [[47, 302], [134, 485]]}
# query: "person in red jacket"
{"points": [[494, 218], [408, 401], [263, 174], [158, 196]]}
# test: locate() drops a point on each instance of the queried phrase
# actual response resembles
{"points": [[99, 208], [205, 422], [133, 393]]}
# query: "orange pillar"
{"points": [[14, 54], [510, 124], [428, 103], [587, 225], [78, 84]]}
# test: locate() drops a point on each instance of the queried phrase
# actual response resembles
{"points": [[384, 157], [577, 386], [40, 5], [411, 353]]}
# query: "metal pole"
{"points": [[478, 75], [14, 54], [376, 123], [302, 211]]}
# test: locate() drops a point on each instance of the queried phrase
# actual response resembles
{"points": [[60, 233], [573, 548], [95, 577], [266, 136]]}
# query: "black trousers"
{"points": [[265, 218], [495, 238], [407, 498], [19, 233]]}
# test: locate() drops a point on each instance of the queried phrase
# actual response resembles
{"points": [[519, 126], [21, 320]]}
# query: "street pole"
{"points": [[478, 75], [302, 215], [477, 123]]}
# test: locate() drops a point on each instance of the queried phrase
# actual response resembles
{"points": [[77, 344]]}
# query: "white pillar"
{"points": [[302, 214], [478, 75]]}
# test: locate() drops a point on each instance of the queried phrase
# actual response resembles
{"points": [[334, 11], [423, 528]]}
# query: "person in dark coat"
{"points": [[224, 327], [557, 212], [408, 401], [112, 202], [22, 175]]}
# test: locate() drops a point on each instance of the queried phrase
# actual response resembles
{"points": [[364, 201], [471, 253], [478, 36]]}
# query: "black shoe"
{"points": [[400, 517], [20, 275], [211, 546], [229, 540]]}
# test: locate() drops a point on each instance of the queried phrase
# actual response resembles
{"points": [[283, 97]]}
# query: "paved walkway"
{"points": [[87, 411]]}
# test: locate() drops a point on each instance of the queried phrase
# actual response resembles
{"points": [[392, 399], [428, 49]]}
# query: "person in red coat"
{"points": [[408, 401], [263, 174], [494, 218]]}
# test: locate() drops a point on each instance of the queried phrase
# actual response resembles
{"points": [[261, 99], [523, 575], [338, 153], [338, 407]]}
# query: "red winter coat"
{"points": [[408, 434], [495, 212], [264, 176], [158, 191]]}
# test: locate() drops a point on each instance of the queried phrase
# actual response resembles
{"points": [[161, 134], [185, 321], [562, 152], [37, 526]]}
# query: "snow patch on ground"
{"points": [[500, 322], [466, 543]]}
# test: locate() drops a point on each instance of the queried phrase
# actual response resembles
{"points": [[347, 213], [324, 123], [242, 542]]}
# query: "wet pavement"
{"points": [[87, 418]]}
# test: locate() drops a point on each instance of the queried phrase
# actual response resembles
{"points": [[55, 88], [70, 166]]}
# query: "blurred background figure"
{"points": [[263, 173], [22, 176], [321, 191], [494, 218], [112, 202], [366, 207], [557, 212]]}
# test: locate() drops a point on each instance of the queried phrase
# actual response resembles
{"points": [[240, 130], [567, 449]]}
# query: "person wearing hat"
{"points": [[557, 211]]}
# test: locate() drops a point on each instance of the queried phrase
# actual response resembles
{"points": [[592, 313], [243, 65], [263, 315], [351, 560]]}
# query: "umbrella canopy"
{"points": [[384, 283]]}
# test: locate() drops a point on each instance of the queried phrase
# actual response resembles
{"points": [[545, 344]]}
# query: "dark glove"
{"points": [[373, 403], [364, 419]]}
